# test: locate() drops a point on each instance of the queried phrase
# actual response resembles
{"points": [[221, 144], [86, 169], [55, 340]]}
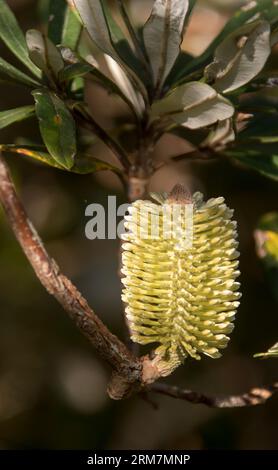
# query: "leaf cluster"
{"points": [[165, 89]]}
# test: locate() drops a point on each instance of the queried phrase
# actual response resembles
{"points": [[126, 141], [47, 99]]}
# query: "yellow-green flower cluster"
{"points": [[181, 293]]}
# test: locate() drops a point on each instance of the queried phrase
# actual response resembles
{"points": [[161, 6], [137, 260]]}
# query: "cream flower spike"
{"points": [[179, 279]]}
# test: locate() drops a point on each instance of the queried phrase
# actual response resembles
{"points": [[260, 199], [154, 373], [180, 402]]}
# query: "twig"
{"points": [[133, 35], [195, 155], [256, 396], [107, 345], [146, 397], [88, 122], [130, 374]]}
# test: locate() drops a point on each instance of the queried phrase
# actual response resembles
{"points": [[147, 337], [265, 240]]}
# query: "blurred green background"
{"points": [[52, 385]]}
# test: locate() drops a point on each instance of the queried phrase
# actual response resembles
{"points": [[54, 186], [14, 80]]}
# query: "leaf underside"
{"points": [[163, 34], [193, 105]]}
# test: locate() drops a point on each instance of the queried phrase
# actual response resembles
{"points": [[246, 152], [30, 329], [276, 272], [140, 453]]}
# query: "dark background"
{"points": [[52, 385]]}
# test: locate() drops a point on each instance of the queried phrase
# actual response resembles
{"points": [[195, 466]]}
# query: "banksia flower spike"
{"points": [[180, 268]]}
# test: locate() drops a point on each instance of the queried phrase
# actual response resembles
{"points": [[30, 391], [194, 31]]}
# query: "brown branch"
{"points": [[130, 374], [137, 187], [109, 347], [142, 169], [256, 396]]}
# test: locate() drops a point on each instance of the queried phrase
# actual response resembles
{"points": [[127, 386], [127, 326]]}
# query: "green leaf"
{"points": [[194, 105], [44, 54], [85, 163], [267, 243], [274, 38], [121, 45], [182, 61], [265, 9], [63, 27], [268, 222], [57, 127], [195, 137], [270, 14], [8, 70], [72, 71], [72, 30], [272, 352], [134, 35], [262, 127], [163, 34], [10, 116], [257, 142], [56, 17], [240, 57], [12, 36], [261, 158], [266, 238]]}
